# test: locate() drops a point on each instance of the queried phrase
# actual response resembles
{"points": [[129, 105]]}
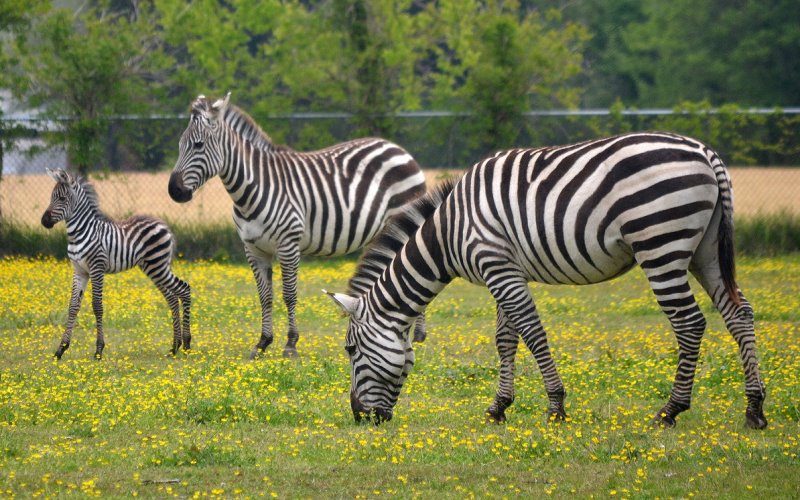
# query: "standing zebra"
{"points": [[576, 214], [289, 203], [97, 246]]}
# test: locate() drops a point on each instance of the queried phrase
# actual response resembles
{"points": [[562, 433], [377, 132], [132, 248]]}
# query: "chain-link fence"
{"points": [[139, 153]]}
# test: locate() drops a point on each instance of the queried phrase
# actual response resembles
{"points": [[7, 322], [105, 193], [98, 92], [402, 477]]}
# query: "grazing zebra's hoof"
{"points": [[256, 353], [755, 421], [663, 421], [495, 417], [556, 416], [289, 352]]}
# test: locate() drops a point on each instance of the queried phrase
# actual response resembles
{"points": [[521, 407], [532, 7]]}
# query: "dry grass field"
{"points": [[24, 198]]}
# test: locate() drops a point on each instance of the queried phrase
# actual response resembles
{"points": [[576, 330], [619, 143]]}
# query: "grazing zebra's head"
{"points": [[61, 200], [381, 357], [201, 150]]}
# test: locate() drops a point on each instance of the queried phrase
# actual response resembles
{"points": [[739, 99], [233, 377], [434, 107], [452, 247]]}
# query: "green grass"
{"points": [[212, 423]]}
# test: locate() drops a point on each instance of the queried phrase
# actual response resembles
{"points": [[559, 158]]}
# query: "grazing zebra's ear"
{"points": [[347, 303]]}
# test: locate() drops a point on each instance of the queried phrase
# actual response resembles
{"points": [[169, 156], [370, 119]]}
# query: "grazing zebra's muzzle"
{"points": [[374, 415], [177, 190], [47, 219]]}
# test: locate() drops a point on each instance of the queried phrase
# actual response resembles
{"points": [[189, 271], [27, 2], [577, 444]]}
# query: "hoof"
{"points": [[419, 337], [556, 416], [256, 353], [289, 352], [753, 421], [663, 421], [495, 417]]}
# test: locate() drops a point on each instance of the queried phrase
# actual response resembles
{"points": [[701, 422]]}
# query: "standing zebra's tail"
{"points": [[727, 262]]}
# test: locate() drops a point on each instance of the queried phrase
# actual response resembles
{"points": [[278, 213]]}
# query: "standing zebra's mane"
{"points": [[242, 123], [380, 252]]}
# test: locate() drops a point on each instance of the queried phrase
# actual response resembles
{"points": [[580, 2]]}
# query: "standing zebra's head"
{"points": [[61, 200], [200, 148], [381, 357]]}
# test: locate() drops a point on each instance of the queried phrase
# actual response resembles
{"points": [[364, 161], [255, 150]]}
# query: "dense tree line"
{"points": [[494, 59]]}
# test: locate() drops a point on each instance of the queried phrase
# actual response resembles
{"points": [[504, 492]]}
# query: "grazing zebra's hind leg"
{"points": [[669, 281], [261, 265], [79, 282], [506, 340], [289, 258], [739, 322], [514, 298]]}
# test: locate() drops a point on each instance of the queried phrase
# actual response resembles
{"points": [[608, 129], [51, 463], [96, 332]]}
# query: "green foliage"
{"points": [[84, 67]]}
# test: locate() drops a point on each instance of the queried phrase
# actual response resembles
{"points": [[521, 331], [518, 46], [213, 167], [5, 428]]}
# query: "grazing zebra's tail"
{"points": [[727, 262]]}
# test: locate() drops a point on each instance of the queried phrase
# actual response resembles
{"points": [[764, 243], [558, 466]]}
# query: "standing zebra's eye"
{"points": [[198, 145], [351, 349]]}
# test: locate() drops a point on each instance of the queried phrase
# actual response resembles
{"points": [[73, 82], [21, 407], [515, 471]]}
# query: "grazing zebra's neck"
{"points": [[415, 275], [380, 252]]}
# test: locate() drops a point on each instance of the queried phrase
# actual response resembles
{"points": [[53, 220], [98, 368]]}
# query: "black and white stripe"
{"points": [[97, 245], [289, 203], [575, 214]]}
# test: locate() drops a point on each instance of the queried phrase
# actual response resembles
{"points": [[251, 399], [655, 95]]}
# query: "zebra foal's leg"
{"points": [[262, 271], [97, 276], [506, 340], [513, 297], [168, 284], [289, 258], [79, 282]]}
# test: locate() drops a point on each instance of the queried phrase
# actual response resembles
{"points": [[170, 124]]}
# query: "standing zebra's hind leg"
{"points": [[176, 291], [420, 333], [262, 272]]}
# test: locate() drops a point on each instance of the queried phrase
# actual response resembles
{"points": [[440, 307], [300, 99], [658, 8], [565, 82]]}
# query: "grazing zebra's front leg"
{"points": [[97, 276], [513, 296], [262, 271], [79, 282], [289, 258], [506, 340]]}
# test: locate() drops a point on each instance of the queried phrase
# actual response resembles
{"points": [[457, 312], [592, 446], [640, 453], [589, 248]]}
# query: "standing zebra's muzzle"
{"points": [[177, 190], [47, 219]]}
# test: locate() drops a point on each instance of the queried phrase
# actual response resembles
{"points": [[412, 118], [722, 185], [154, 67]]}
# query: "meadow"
{"points": [[212, 424]]}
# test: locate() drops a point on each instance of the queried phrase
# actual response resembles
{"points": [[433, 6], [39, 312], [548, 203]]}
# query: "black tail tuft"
{"points": [[727, 262]]}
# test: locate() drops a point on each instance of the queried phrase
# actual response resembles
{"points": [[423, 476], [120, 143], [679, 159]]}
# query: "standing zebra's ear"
{"points": [[346, 303], [59, 175], [220, 105]]}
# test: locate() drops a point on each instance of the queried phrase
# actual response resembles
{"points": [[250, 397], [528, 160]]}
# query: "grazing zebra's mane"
{"points": [[380, 252]]}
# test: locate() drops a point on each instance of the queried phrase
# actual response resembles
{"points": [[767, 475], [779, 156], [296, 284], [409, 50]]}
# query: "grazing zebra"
{"points": [[575, 214], [98, 246], [289, 203]]}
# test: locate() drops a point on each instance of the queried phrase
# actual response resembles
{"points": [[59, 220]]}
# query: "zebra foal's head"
{"points": [[200, 149], [61, 199], [381, 357]]}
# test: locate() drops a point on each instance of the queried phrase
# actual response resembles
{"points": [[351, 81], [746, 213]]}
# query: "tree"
{"points": [[499, 59], [84, 67]]}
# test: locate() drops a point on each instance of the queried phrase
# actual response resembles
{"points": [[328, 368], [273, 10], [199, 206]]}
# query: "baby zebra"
{"points": [[98, 246]]}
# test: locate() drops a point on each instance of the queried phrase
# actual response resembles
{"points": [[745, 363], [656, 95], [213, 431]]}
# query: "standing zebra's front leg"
{"points": [[97, 275], [514, 298], [262, 271], [506, 340], [289, 258], [79, 282]]}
